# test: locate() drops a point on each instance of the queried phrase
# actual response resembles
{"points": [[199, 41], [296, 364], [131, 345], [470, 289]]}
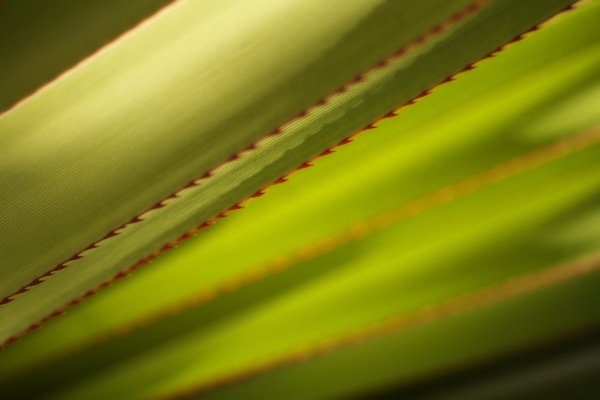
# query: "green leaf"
{"points": [[131, 128], [486, 189]]}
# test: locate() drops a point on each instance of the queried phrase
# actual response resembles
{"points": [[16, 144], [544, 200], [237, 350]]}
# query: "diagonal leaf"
{"points": [[350, 192], [510, 224], [105, 149]]}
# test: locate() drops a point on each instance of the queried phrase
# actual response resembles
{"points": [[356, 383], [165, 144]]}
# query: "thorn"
{"points": [[345, 141], [427, 92], [91, 246], [36, 325], [192, 183], [59, 267], [109, 235], [153, 255], [205, 225], [186, 236], [236, 207], [23, 290], [257, 194], [135, 266], [159, 204], [370, 126], [121, 275], [86, 296], [171, 196], [167, 247], [140, 263], [305, 165], [74, 258]]}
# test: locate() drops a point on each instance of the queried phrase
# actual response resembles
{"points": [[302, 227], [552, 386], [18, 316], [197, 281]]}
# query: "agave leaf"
{"points": [[402, 160], [509, 229], [517, 226], [95, 148], [125, 85], [129, 129]]}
